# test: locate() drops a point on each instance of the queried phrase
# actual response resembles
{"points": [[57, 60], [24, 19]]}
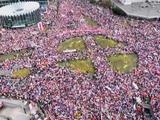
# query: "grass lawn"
{"points": [[82, 66], [71, 44], [16, 54], [105, 42], [123, 63], [90, 22], [21, 73]]}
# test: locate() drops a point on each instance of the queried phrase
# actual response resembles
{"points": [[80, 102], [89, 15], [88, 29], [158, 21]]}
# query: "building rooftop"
{"points": [[148, 10], [14, 110], [19, 8]]}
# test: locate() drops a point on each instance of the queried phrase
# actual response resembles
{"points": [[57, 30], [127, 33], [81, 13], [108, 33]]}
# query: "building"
{"points": [[6, 2], [146, 9], [20, 14], [128, 2], [14, 110], [11, 109]]}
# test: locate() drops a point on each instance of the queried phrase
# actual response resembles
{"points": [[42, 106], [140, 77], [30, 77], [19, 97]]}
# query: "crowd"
{"points": [[67, 95]]}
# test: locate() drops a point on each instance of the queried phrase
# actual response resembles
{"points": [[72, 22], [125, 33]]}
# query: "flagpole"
{"points": [[48, 2]]}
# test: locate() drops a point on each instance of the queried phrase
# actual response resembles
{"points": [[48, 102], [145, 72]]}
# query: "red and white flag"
{"points": [[41, 26]]}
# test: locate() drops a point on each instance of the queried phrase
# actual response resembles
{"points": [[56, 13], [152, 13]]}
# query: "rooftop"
{"points": [[14, 110], [147, 10], [18, 8]]}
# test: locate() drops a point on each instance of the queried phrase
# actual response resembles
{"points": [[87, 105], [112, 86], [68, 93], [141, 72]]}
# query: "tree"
{"points": [[104, 3], [94, 1]]}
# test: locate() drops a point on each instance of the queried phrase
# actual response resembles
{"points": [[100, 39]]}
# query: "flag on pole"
{"points": [[41, 27]]}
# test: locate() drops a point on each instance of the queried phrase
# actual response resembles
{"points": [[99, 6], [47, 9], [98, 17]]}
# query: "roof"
{"points": [[14, 109], [19, 8], [148, 10]]}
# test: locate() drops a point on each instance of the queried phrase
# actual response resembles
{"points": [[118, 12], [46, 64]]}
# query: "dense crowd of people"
{"points": [[67, 95]]}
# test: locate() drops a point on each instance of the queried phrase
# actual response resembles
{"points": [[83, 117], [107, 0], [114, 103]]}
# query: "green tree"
{"points": [[106, 3], [94, 1]]}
